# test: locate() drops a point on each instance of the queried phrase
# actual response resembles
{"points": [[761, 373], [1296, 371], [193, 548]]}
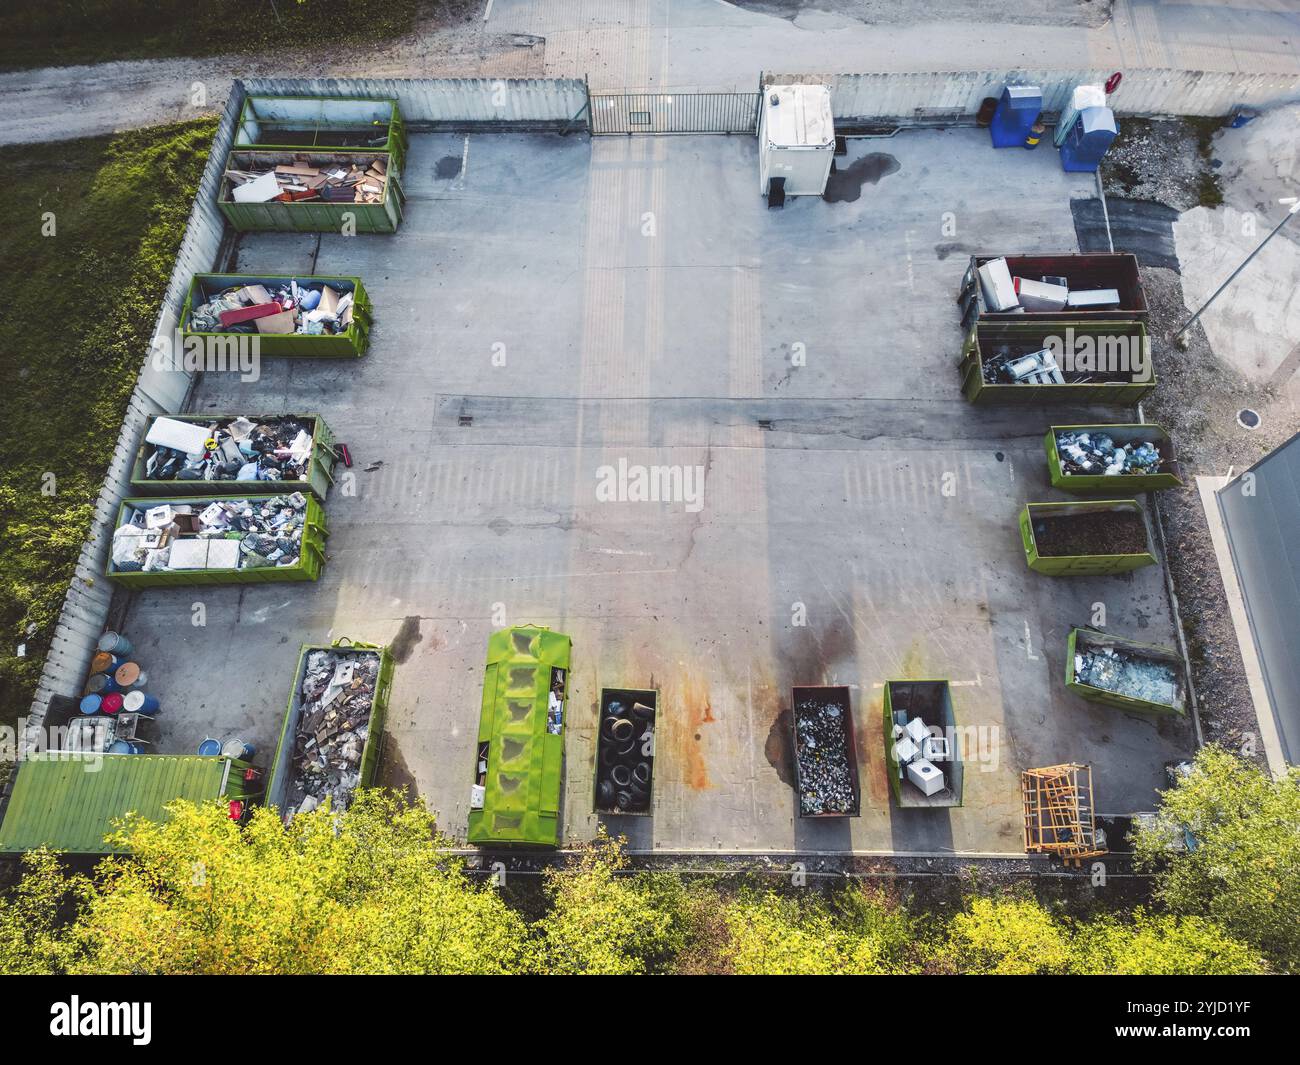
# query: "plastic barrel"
{"points": [[115, 643], [124, 747], [210, 748], [111, 703], [238, 749], [101, 684], [138, 702], [104, 662], [90, 704], [129, 675]]}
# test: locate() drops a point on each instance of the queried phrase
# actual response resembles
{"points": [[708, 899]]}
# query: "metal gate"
{"points": [[674, 112]]}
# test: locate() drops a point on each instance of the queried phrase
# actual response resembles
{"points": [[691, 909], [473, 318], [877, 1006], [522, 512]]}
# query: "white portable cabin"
{"points": [[796, 138]]}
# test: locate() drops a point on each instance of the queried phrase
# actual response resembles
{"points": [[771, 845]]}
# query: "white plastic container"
{"points": [[796, 138]]}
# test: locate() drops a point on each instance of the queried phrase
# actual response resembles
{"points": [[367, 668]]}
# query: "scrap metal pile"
{"points": [[1097, 453], [224, 534], [230, 449], [1036, 368], [825, 759], [313, 309], [1126, 674], [338, 693]]}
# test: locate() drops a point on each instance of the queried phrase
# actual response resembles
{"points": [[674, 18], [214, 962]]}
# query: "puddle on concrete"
{"points": [[447, 167], [845, 184]]}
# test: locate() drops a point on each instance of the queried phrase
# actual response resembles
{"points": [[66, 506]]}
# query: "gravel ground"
{"points": [[1197, 401], [1167, 161], [1171, 162]]}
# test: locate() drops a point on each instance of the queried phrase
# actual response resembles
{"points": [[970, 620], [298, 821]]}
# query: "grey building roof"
{"points": [[1261, 513]]}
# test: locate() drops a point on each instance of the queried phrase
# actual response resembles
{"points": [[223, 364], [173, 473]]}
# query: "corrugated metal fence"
{"points": [[935, 97], [674, 112], [452, 102]]}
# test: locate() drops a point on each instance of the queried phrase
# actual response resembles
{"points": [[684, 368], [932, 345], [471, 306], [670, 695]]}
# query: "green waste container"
{"points": [[283, 773], [352, 342], [1113, 367], [931, 701], [1086, 521], [1169, 474], [320, 464], [336, 123], [519, 754], [1122, 695], [311, 556], [312, 216]]}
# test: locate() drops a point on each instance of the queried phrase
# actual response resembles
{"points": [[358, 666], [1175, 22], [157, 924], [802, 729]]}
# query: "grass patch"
{"points": [[64, 32], [75, 323]]}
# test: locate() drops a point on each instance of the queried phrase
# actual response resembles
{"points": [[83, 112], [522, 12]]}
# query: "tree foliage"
{"points": [[367, 891], [1225, 844], [374, 890]]}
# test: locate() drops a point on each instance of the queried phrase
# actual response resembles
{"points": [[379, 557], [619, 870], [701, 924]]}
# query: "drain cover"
{"points": [[1248, 419]]}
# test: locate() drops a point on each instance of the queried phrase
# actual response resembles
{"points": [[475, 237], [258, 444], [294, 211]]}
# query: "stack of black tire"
{"points": [[625, 753]]}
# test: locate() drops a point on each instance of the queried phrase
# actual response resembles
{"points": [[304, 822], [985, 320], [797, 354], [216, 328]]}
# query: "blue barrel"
{"points": [[102, 684], [115, 643], [210, 748], [138, 702], [90, 704], [124, 747]]}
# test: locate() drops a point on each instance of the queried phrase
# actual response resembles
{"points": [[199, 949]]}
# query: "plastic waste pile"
{"points": [[314, 309], [237, 449], [338, 693], [1126, 674], [1096, 453]]}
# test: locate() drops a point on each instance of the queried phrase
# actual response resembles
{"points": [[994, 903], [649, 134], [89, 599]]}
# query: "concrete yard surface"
{"points": [[557, 313]]}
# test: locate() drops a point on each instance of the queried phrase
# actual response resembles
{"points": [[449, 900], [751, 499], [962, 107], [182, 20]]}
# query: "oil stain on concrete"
{"points": [[447, 168], [408, 636], [845, 184]]}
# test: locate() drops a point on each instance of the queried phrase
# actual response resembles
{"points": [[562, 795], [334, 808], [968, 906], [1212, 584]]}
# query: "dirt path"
{"points": [[57, 103]]}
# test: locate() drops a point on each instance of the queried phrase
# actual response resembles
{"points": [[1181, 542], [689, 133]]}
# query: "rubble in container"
{"points": [[307, 308], [1126, 674], [825, 758], [229, 449], [338, 692], [341, 181], [1095, 453], [223, 534]]}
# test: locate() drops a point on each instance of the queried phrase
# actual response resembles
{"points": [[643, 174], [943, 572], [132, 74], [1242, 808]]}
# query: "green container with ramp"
{"points": [[519, 755], [1124, 696]]}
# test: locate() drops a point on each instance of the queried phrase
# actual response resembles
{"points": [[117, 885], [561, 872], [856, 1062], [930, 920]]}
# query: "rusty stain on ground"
{"points": [[873, 752], [688, 739]]}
